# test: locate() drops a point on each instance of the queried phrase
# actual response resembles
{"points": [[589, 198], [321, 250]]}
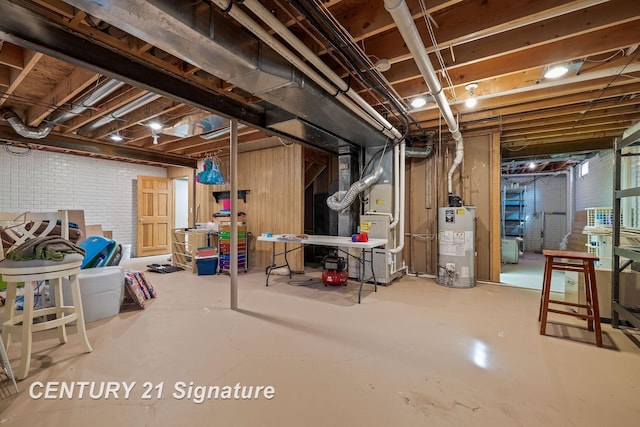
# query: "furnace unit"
{"points": [[456, 246], [386, 265]]}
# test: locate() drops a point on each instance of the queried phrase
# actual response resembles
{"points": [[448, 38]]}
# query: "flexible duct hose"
{"points": [[341, 200], [22, 129]]}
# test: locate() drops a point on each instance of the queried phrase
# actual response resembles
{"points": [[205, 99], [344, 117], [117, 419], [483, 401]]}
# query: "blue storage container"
{"points": [[207, 266]]}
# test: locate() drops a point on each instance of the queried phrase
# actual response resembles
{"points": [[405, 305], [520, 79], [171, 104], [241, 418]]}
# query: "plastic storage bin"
{"points": [[207, 266], [101, 290]]}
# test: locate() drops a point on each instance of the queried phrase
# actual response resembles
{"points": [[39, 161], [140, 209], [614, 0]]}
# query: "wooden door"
{"points": [[155, 219]]}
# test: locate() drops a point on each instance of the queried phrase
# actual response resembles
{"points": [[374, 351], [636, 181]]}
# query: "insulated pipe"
{"points": [[404, 21], [268, 18], [340, 200], [237, 14], [22, 129]]}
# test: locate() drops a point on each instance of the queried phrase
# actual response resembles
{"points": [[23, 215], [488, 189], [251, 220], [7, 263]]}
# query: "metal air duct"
{"points": [[197, 33], [87, 101], [341, 200], [22, 129]]}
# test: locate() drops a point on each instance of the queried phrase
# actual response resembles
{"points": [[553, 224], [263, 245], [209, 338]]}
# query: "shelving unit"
{"points": [[632, 254], [224, 244], [184, 244], [513, 211]]}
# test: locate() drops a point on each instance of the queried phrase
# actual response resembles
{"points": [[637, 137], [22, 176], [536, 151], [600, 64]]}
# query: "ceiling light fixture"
{"points": [[418, 102], [532, 165], [155, 138], [382, 65], [555, 71], [116, 137], [155, 125], [472, 101]]}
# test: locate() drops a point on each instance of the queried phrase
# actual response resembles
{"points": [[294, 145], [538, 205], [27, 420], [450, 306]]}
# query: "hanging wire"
{"points": [[23, 149], [443, 67]]}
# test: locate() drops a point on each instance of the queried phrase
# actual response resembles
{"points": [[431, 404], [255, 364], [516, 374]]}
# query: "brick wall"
{"points": [[595, 189], [104, 189]]}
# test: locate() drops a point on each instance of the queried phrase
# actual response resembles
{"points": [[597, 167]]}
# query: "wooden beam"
{"points": [[29, 60], [67, 89], [12, 56], [557, 147]]}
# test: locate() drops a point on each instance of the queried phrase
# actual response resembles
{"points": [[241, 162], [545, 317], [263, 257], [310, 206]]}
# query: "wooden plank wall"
{"points": [[477, 185], [421, 215], [477, 181], [275, 180]]}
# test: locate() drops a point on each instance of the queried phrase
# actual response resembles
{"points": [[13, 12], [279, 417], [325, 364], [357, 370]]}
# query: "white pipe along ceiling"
{"points": [[402, 17]]}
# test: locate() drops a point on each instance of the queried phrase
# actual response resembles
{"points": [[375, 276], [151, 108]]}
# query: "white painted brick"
{"points": [[104, 189], [595, 189]]}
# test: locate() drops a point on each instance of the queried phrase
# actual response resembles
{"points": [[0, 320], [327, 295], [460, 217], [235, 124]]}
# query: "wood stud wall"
{"points": [[275, 202]]}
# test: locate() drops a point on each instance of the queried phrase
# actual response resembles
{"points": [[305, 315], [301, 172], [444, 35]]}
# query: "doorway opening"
{"points": [[181, 201], [533, 218]]}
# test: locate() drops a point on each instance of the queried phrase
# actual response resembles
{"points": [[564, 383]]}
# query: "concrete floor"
{"points": [[528, 273], [412, 354]]}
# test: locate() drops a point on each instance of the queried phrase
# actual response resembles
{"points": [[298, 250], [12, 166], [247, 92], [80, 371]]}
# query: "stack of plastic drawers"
{"points": [[224, 235]]}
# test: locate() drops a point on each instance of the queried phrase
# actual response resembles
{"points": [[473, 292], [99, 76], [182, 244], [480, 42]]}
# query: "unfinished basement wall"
{"points": [[274, 178], [421, 218], [595, 189], [106, 190], [477, 181]]}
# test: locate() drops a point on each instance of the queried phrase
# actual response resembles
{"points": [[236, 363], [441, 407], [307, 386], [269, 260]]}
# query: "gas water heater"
{"points": [[456, 246]]}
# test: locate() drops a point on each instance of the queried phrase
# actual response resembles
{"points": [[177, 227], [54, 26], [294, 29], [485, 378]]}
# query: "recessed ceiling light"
{"points": [[556, 71], [115, 137], [418, 102]]}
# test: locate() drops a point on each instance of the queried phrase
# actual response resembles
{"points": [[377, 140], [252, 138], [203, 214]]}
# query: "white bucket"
{"points": [[126, 252]]}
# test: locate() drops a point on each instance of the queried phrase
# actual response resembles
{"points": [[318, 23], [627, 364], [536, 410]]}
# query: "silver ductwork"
{"points": [[44, 128], [87, 101], [126, 109], [22, 129], [418, 152], [341, 200], [197, 33]]}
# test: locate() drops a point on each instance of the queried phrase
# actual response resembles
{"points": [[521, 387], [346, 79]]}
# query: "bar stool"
{"points": [[581, 262], [16, 229]]}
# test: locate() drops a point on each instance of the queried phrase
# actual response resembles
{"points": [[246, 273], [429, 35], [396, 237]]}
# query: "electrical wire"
{"points": [[434, 41], [25, 149], [320, 18], [602, 91]]}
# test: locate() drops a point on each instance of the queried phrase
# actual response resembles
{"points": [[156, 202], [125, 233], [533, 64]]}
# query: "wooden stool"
{"points": [[14, 272], [580, 262]]}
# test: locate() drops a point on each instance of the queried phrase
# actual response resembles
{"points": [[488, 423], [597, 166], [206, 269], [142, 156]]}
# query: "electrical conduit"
{"points": [[267, 17], [377, 122]]}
